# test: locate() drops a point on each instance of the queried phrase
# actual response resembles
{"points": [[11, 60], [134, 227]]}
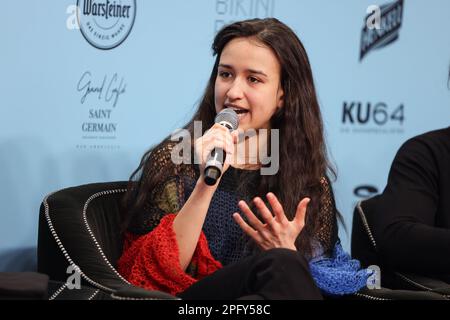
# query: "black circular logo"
{"points": [[106, 24], [365, 191]]}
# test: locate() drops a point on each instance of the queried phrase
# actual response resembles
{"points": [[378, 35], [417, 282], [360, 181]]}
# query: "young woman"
{"points": [[187, 238]]}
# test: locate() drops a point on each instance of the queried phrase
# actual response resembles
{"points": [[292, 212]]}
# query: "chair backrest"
{"points": [[80, 227], [365, 248], [363, 242]]}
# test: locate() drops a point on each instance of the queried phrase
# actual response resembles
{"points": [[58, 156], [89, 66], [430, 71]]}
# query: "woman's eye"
{"points": [[253, 80], [225, 74]]}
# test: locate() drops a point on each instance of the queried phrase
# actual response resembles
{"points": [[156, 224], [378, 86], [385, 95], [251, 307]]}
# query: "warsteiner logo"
{"points": [[106, 24], [378, 35]]}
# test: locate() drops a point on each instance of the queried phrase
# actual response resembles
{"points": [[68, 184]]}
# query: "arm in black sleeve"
{"points": [[405, 228]]}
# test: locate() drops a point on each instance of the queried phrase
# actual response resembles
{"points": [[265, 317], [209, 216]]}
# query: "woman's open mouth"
{"points": [[237, 109], [241, 112]]}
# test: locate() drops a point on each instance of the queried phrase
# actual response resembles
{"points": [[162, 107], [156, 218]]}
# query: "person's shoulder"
{"points": [[326, 185], [327, 179], [435, 136], [163, 150], [165, 156], [424, 152], [428, 142], [324, 181]]}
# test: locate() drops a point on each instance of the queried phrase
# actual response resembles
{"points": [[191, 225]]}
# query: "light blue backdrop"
{"points": [[164, 64]]}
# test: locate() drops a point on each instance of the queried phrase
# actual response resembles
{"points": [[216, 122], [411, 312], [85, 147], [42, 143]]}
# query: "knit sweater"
{"points": [[150, 257]]}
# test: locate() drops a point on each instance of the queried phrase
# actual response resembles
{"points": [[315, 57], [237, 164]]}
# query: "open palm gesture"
{"points": [[277, 231]]}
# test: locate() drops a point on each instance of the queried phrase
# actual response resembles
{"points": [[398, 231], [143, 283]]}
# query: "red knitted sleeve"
{"points": [[151, 261]]}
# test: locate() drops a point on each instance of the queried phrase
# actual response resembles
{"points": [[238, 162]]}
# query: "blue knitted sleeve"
{"points": [[339, 274]]}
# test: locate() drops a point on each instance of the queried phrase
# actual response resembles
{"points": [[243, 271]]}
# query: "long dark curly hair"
{"points": [[303, 160]]}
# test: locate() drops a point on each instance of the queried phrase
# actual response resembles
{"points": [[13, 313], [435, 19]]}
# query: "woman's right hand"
{"points": [[216, 137]]}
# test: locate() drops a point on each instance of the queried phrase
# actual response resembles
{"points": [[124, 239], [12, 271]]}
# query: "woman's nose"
{"points": [[236, 90]]}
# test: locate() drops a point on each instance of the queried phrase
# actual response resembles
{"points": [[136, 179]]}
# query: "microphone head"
{"points": [[229, 118]]}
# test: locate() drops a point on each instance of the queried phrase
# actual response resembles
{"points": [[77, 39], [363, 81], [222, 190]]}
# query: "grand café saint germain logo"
{"points": [[105, 24]]}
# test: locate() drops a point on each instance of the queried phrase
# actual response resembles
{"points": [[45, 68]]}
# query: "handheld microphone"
{"points": [[214, 165]]}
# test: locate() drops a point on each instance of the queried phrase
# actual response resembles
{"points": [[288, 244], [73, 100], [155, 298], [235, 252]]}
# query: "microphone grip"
{"points": [[214, 166]]}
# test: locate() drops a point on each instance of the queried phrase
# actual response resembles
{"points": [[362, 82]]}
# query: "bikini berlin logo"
{"points": [[106, 24], [381, 26]]}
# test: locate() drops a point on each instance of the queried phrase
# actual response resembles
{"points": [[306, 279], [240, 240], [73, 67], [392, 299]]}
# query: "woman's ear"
{"points": [[280, 99]]}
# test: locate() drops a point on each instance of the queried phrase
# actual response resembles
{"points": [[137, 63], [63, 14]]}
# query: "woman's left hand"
{"points": [[278, 231]]}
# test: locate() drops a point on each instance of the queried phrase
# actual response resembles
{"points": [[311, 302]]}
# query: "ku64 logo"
{"points": [[365, 113]]}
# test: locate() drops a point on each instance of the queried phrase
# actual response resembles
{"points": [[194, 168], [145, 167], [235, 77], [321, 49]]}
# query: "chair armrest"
{"points": [[130, 292], [411, 281], [384, 294]]}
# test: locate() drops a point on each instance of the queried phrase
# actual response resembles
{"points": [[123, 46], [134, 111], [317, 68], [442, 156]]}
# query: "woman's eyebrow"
{"points": [[257, 72], [227, 66]]}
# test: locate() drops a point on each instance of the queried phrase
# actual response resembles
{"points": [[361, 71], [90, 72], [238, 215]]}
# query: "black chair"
{"points": [[364, 247], [79, 228]]}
